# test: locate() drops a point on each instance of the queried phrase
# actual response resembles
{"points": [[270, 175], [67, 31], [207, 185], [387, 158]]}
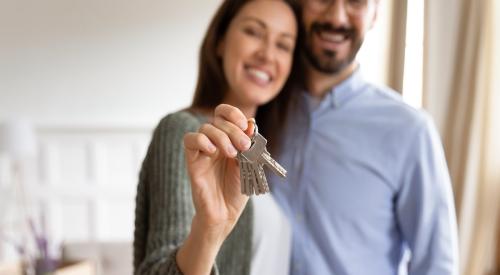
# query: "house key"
{"points": [[252, 162]]}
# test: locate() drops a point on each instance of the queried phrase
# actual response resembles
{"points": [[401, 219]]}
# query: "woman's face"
{"points": [[257, 52]]}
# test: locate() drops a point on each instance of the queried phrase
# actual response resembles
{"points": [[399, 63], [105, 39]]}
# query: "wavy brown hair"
{"points": [[212, 85]]}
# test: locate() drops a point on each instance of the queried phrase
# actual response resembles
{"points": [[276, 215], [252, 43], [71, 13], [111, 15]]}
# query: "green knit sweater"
{"points": [[164, 207]]}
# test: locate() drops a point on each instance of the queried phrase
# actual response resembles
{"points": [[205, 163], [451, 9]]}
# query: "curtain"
{"points": [[461, 91]]}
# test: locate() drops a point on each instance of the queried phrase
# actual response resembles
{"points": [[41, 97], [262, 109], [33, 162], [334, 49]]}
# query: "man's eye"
{"points": [[357, 2]]}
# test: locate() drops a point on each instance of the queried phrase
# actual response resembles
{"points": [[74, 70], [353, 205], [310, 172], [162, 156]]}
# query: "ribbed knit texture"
{"points": [[164, 207]]}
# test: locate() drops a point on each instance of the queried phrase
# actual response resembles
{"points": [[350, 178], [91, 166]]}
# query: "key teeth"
{"points": [[252, 175]]}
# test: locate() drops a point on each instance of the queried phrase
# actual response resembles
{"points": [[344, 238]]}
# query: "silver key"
{"points": [[246, 175], [262, 187], [258, 153], [251, 163], [252, 177]]}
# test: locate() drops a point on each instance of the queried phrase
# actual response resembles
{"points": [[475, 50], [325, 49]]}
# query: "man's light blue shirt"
{"points": [[367, 178]]}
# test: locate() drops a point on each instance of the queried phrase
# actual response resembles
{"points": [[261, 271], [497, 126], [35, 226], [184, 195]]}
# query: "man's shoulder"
{"points": [[388, 102]]}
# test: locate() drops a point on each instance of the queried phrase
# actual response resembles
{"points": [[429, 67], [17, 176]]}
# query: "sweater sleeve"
{"points": [[164, 207]]}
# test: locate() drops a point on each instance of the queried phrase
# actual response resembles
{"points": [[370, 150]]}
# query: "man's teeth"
{"points": [[259, 74], [333, 37]]}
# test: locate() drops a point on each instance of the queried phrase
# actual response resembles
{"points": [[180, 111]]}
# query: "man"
{"points": [[367, 176]]}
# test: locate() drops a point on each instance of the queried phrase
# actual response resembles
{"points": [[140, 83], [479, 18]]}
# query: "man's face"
{"points": [[335, 30]]}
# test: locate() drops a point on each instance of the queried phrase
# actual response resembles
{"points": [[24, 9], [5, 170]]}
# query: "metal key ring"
{"points": [[255, 127]]}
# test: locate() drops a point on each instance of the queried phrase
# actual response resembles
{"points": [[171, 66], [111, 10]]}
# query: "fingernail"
{"points": [[232, 151], [245, 142], [244, 125], [211, 148]]}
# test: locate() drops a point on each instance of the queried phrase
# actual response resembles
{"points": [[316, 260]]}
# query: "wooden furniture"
{"points": [[67, 268]]}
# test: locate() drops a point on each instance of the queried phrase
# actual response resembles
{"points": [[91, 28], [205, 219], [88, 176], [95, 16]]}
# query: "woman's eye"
{"points": [[285, 47], [252, 32]]}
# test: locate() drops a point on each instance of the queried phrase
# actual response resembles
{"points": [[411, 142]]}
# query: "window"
{"points": [[414, 53]]}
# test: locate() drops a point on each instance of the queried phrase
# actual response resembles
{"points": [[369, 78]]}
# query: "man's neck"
{"points": [[318, 83]]}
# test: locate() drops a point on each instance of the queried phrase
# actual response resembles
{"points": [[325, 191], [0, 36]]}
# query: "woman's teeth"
{"points": [[261, 75]]}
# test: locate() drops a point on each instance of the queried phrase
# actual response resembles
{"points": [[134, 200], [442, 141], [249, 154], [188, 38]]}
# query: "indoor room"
{"points": [[85, 83]]}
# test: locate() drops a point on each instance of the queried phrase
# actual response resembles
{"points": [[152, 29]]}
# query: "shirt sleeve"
{"points": [[425, 207], [164, 208]]}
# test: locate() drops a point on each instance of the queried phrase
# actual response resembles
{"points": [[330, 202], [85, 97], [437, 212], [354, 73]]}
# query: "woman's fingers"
{"points": [[198, 142], [232, 115], [219, 138], [229, 133], [239, 139]]}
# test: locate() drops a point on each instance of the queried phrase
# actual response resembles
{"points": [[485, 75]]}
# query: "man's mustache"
{"points": [[320, 27]]}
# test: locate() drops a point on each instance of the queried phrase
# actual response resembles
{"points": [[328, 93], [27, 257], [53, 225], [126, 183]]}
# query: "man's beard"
{"points": [[327, 61]]}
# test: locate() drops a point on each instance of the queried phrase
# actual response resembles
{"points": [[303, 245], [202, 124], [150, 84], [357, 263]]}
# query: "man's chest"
{"points": [[345, 167]]}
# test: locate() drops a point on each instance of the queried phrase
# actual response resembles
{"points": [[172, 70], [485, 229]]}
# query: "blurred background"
{"points": [[84, 82]]}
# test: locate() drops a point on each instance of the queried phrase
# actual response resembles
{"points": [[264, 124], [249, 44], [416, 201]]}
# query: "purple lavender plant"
{"points": [[45, 262]]}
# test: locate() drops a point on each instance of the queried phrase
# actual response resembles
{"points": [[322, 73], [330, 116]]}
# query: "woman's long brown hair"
{"points": [[212, 84]]}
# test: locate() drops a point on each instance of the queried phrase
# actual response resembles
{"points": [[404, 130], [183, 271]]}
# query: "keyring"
{"points": [[255, 127]]}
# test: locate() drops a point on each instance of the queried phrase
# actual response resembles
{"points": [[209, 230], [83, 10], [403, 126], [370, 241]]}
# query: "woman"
{"points": [[185, 214]]}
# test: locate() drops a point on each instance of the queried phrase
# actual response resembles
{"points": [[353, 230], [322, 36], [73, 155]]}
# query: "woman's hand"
{"points": [[215, 185], [214, 170]]}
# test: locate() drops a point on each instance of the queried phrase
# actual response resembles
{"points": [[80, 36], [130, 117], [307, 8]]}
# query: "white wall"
{"points": [[111, 62], [94, 76], [90, 62], [374, 55]]}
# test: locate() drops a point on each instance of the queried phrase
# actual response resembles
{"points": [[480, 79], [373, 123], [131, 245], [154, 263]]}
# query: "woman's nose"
{"points": [[265, 51]]}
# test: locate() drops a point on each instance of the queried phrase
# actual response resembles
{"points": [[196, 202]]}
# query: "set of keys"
{"points": [[252, 162]]}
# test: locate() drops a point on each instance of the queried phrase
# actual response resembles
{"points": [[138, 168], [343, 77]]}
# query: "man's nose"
{"points": [[337, 14]]}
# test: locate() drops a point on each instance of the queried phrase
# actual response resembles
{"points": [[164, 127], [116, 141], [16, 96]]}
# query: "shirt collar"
{"points": [[346, 90], [339, 94]]}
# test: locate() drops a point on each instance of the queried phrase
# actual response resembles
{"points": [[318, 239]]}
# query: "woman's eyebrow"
{"points": [[263, 25], [255, 19]]}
